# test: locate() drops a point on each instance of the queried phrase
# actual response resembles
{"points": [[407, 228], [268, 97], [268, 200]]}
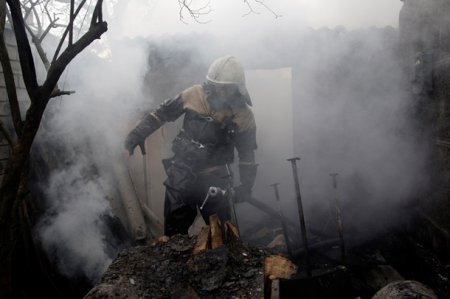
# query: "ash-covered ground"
{"points": [[170, 270]]}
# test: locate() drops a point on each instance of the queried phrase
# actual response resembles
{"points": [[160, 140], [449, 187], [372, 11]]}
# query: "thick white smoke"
{"points": [[351, 114], [72, 232], [86, 131]]}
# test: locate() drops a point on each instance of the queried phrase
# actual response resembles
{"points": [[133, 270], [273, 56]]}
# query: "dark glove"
{"points": [[242, 193], [134, 139], [149, 124], [247, 174]]}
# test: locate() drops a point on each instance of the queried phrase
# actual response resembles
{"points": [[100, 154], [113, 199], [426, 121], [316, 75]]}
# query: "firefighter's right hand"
{"points": [[133, 140]]}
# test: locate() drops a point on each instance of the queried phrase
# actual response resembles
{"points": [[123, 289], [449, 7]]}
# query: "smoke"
{"points": [[82, 135], [355, 118], [351, 114], [72, 231]]}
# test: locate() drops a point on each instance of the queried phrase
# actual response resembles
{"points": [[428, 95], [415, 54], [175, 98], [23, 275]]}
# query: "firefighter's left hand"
{"points": [[132, 141], [242, 193]]}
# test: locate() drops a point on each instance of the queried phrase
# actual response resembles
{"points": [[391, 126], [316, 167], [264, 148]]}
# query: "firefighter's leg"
{"points": [[218, 205], [178, 216]]}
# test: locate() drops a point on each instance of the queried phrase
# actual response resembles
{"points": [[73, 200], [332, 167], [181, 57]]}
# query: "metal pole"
{"points": [[144, 164], [230, 194], [338, 217], [283, 224], [300, 213]]}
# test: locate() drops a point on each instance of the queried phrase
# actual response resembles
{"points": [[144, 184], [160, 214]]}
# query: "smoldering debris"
{"points": [[166, 269]]}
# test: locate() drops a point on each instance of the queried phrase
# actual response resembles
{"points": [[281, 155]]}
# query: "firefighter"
{"points": [[217, 119]]}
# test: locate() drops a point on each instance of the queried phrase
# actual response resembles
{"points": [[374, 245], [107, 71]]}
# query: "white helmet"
{"points": [[227, 70]]}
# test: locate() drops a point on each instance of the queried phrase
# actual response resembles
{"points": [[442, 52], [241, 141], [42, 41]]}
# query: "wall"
{"points": [[425, 49], [5, 113]]}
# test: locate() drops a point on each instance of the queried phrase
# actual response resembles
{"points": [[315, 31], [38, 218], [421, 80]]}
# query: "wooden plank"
{"points": [[275, 289], [202, 240], [216, 232], [231, 231], [276, 266], [160, 239]]}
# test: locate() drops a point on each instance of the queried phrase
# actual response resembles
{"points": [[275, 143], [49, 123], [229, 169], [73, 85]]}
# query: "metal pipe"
{"points": [[301, 213], [230, 194], [212, 192], [338, 217], [270, 211], [144, 164], [283, 224]]}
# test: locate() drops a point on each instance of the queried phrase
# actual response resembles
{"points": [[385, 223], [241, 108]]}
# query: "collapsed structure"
{"points": [[423, 48], [418, 250]]}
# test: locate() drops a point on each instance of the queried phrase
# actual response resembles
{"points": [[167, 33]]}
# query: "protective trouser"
{"points": [[188, 193]]}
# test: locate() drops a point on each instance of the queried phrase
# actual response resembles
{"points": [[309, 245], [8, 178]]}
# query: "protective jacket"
{"points": [[212, 129]]}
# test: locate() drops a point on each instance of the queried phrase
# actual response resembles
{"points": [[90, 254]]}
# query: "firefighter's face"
{"points": [[226, 91]]}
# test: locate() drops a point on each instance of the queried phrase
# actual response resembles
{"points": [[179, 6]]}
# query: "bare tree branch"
{"points": [[57, 67], [47, 30], [72, 17], [38, 20], [250, 9], [195, 14], [14, 182], [28, 10], [61, 41], [97, 16], [186, 7], [24, 49], [38, 44], [57, 92], [261, 3], [47, 12]]}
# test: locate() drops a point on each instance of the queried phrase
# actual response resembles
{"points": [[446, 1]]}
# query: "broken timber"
{"points": [[275, 266], [172, 266]]}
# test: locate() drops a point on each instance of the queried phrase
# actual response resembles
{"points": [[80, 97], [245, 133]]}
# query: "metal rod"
{"points": [[144, 163], [205, 200], [230, 194], [300, 213], [145, 177], [212, 192], [272, 212], [338, 217], [283, 224]]}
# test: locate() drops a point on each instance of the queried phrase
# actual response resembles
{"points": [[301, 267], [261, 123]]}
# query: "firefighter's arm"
{"points": [[169, 110], [245, 142], [246, 145]]}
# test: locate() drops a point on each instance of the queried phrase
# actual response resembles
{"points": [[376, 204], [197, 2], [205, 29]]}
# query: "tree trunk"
{"points": [[8, 197], [17, 168]]}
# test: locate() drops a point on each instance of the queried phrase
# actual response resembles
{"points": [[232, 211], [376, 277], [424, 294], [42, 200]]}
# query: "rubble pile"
{"points": [[169, 268]]}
